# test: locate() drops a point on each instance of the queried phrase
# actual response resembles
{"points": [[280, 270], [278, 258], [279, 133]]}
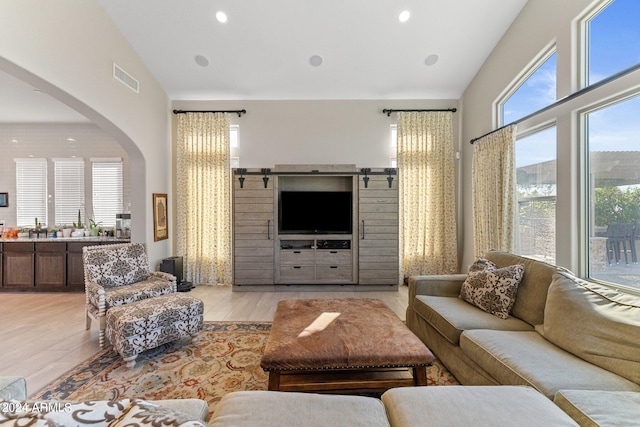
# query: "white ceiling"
{"points": [[263, 50]]}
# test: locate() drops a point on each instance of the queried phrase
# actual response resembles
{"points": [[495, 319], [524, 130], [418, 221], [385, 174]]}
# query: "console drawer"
{"points": [[333, 256], [334, 272], [297, 256], [292, 273]]}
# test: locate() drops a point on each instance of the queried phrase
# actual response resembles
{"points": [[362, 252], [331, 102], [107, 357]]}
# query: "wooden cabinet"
{"points": [[17, 262], [75, 268], [51, 264], [366, 254], [253, 231], [44, 264], [378, 231]]}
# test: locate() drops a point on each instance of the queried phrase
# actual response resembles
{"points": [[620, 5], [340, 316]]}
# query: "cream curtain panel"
{"points": [[493, 187], [426, 171], [203, 197]]}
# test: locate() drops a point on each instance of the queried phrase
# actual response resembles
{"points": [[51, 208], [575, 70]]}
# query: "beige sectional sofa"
{"points": [[565, 337], [454, 406]]}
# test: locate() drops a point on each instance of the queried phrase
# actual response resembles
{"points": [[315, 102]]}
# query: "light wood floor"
{"points": [[42, 335]]}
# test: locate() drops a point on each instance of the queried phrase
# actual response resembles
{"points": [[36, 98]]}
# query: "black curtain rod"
{"points": [[496, 130], [566, 99], [238, 112], [388, 111]]}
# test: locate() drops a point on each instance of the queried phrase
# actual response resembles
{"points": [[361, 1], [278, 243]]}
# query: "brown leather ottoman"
{"points": [[342, 346]]}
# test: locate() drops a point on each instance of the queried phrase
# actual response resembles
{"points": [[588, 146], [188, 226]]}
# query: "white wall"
{"points": [[67, 49], [540, 24], [316, 131]]}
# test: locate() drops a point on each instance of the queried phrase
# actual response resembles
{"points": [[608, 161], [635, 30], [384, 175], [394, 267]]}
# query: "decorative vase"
{"points": [[66, 232]]}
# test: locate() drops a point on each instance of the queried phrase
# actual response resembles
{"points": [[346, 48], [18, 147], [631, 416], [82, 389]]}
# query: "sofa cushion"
{"points": [[526, 358], [277, 409], [451, 316], [94, 413], [532, 291], [482, 264], [150, 288], [592, 408], [471, 406], [493, 289], [141, 413], [608, 323]]}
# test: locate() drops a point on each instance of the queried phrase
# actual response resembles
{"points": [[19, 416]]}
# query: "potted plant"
{"points": [[66, 230], [78, 226], [94, 228]]}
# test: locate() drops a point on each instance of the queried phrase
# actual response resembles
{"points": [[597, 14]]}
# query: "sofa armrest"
{"points": [[13, 388], [161, 274], [95, 296], [446, 285]]}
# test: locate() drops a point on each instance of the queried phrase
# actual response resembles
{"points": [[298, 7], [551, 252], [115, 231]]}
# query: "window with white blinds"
{"points": [[107, 190], [69, 191], [31, 192]]}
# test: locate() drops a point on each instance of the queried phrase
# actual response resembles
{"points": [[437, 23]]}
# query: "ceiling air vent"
{"points": [[126, 78]]}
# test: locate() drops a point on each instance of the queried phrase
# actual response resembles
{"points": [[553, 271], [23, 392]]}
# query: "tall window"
{"points": [[394, 145], [535, 162], [612, 35], [234, 136], [107, 190], [69, 190], [31, 192], [536, 91], [536, 187], [234, 144], [613, 140]]}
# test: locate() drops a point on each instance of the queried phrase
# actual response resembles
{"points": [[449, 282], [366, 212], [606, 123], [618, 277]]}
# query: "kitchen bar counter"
{"points": [[45, 264]]}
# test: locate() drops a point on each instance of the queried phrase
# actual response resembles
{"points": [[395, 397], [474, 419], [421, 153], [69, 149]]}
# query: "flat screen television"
{"points": [[315, 212]]}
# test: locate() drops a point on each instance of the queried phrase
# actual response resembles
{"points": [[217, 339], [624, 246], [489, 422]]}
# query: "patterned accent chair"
{"points": [[116, 275]]}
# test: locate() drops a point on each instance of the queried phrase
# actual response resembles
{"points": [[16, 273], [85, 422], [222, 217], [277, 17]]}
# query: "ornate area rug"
{"points": [[226, 359]]}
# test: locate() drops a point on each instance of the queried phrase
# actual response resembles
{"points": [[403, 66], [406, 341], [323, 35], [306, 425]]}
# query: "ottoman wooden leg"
{"points": [[195, 339], [131, 360], [420, 375], [274, 381]]}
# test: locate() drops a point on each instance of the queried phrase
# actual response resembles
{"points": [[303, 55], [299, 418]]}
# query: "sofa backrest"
{"points": [[598, 324], [532, 291], [116, 265]]}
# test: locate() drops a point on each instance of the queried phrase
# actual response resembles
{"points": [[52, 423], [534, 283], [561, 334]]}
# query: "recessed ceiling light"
{"points": [[14, 140], [71, 140], [221, 17], [202, 61], [404, 16], [315, 60], [37, 91], [431, 59]]}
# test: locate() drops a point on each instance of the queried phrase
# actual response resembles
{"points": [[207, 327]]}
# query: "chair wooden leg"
{"points": [[102, 337], [88, 320]]}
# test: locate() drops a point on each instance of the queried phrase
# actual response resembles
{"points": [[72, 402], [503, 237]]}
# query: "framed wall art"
{"points": [[160, 217], [4, 200]]}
